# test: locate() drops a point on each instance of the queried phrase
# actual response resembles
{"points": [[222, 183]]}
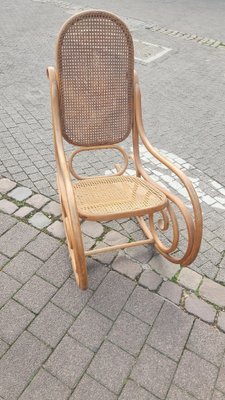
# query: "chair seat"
{"points": [[117, 197]]}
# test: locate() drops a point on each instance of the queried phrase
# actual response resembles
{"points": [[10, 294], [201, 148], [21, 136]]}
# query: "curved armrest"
{"points": [[196, 225]]}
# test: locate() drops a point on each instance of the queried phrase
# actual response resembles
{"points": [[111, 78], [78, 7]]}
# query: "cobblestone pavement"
{"points": [[144, 329]]}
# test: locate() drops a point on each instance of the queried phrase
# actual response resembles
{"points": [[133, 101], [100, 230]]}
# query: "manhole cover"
{"points": [[146, 52]]}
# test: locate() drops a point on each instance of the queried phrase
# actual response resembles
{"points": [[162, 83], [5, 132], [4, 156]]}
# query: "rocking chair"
{"points": [[96, 104]]}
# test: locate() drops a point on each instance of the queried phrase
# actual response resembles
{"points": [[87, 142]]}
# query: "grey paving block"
{"points": [[150, 280], [23, 211], [43, 246], [57, 229], [6, 222], [220, 384], [104, 258], [96, 273], [35, 294], [69, 361], [57, 268], [37, 200], [200, 308], [16, 238], [20, 193], [44, 386], [154, 371], [129, 333], [3, 260], [92, 229], [171, 291], [140, 253], [90, 328], [23, 266], [207, 342], [20, 363], [39, 220], [213, 292], [112, 294], [7, 206], [189, 279], [6, 185], [196, 376], [175, 393], [132, 391], [218, 395], [144, 305], [113, 237], [221, 321], [14, 318], [70, 298], [127, 267], [170, 331], [52, 208], [163, 267], [88, 389], [8, 286], [3, 347], [111, 366]]}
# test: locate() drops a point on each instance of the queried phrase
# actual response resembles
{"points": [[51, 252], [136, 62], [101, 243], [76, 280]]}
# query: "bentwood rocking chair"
{"points": [[96, 104]]}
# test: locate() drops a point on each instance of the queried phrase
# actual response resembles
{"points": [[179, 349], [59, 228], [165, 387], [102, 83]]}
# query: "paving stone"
{"points": [[111, 366], [23, 211], [221, 321], [130, 226], [200, 308], [3, 347], [16, 238], [96, 273], [39, 220], [220, 277], [51, 324], [150, 280], [170, 331], [113, 238], [141, 253], [213, 292], [154, 371], [57, 229], [14, 318], [6, 222], [189, 279], [90, 328], [171, 291], [37, 200], [7, 206], [144, 305], [69, 361], [20, 193], [52, 208], [207, 342], [104, 258], [92, 229], [6, 185], [44, 386], [89, 389], [43, 246], [57, 268], [129, 333], [218, 395], [23, 266], [132, 391], [8, 286], [164, 267], [70, 298], [20, 363], [35, 294], [3, 261], [127, 267], [196, 376], [220, 384], [176, 393], [88, 242], [111, 295]]}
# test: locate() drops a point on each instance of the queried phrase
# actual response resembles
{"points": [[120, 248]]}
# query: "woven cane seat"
{"points": [[117, 196]]}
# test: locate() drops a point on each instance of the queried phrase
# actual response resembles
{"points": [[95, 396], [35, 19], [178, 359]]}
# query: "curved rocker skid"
{"points": [[193, 225], [66, 194]]}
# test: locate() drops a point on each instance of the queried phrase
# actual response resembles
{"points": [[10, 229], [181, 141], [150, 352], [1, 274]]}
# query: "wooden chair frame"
{"points": [[71, 217]]}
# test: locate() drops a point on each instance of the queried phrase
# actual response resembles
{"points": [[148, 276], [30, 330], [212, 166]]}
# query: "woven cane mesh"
{"points": [[117, 195], [95, 71]]}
